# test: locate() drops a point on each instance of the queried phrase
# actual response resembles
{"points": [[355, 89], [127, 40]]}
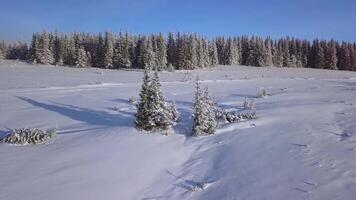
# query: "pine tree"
{"points": [[121, 58], [268, 55], [343, 56], [171, 49], [278, 55], [330, 56], [160, 117], [204, 117], [45, 55], [34, 48], [71, 53], [318, 55], [213, 54], [192, 52], [232, 55], [82, 57], [153, 112], [286, 54], [143, 112], [108, 50], [161, 52], [3, 50]]}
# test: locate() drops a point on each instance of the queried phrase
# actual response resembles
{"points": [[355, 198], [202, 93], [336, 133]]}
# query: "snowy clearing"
{"points": [[301, 146]]}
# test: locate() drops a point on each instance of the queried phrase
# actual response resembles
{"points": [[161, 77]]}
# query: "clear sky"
{"points": [[300, 18]]}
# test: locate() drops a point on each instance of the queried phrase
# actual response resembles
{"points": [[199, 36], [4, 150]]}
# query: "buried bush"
{"points": [[263, 94], [29, 136], [248, 104], [235, 116]]}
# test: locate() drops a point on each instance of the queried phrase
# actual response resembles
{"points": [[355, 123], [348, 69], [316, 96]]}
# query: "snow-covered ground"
{"points": [[302, 146]]}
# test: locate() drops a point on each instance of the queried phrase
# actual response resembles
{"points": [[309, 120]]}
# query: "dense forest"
{"points": [[179, 51]]}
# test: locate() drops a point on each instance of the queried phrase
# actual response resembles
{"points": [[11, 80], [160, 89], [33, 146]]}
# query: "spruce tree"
{"points": [[330, 56], [268, 54], [171, 49], [3, 50], [108, 50], [232, 55], [153, 112], [45, 55], [82, 57], [121, 58], [318, 56], [213, 54], [143, 112], [161, 52], [205, 122], [160, 117]]}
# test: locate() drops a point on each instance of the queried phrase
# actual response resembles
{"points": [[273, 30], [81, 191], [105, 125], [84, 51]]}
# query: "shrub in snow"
{"points": [[153, 112], [205, 121], [248, 104], [29, 136], [132, 99], [235, 116], [263, 94]]}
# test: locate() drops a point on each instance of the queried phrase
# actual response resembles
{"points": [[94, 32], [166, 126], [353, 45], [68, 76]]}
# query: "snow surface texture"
{"points": [[301, 146]]}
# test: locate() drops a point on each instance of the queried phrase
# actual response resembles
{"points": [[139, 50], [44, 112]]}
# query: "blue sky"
{"points": [[300, 18]]}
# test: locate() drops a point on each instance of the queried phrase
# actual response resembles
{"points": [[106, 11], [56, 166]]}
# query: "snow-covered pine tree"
{"points": [[260, 53], [182, 58], [160, 116], [318, 55], [143, 112], [161, 52], [213, 54], [204, 114], [153, 112], [330, 55], [45, 55], [232, 55], [34, 48], [108, 50], [148, 55], [198, 114], [171, 49], [210, 109], [3, 50], [278, 55], [343, 54], [82, 57], [286, 53], [192, 52], [71, 53], [60, 46], [268, 52], [121, 58]]}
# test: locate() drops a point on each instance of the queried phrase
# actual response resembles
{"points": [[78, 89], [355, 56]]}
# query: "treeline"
{"points": [[179, 51]]}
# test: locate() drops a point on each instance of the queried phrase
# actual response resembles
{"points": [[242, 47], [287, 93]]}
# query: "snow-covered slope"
{"points": [[302, 146]]}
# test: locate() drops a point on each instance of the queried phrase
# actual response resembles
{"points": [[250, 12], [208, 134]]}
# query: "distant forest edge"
{"points": [[179, 51]]}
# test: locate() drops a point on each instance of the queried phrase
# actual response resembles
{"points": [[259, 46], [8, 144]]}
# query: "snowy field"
{"points": [[301, 146]]}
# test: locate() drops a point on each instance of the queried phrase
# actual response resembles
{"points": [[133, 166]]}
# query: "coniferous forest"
{"points": [[179, 51]]}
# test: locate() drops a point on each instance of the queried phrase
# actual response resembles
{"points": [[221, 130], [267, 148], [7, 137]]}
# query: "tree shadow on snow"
{"points": [[185, 124], [4, 133], [86, 115]]}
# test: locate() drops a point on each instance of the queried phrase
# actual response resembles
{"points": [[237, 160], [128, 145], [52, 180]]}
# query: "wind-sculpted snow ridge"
{"points": [[300, 146]]}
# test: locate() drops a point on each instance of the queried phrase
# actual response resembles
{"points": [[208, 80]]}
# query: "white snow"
{"points": [[301, 146]]}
